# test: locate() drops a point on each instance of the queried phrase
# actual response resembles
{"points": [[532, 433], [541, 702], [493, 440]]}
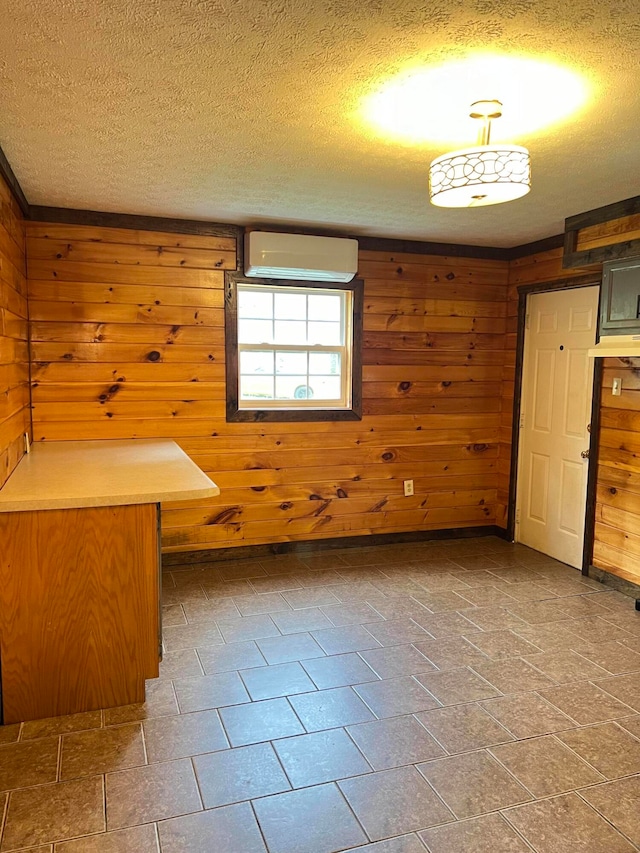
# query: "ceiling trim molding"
{"points": [[573, 224], [100, 219], [535, 248], [12, 182]]}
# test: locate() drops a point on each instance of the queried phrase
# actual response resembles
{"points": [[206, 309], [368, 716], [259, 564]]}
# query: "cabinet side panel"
{"points": [[78, 609]]}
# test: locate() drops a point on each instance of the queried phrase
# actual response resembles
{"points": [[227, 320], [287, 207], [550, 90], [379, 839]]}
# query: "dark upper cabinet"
{"points": [[620, 298]]}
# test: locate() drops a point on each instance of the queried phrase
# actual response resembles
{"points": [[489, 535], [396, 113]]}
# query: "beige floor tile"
{"points": [[327, 709], [394, 742], [320, 757], [246, 628], [209, 610], [60, 725], [270, 682], [394, 661], [566, 666], [462, 728], [451, 652], [160, 702], [395, 697], [394, 802], [586, 703], [299, 621], [473, 784], [595, 629], [356, 613], [513, 675], [315, 819], [545, 766], [180, 664], [25, 764], [487, 834], [631, 724], [232, 828], [401, 844], [173, 615], [338, 671], [240, 774], [349, 638], [566, 824], [550, 637], [626, 688], [290, 648], [168, 738], [614, 657], [253, 605], [500, 645], [230, 657], [178, 637], [449, 624], [276, 583], [9, 733], [608, 747], [260, 721], [210, 691], [439, 602], [137, 839], [454, 686], [488, 596], [537, 612], [147, 794], [527, 715], [300, 598], [54, 813], [102, 751], [618, 803]]}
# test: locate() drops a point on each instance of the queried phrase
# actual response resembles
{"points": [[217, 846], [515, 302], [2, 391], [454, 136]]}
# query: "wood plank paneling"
{"points": [[127, 341], [14, 349]]}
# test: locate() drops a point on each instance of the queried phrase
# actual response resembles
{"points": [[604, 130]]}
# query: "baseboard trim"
{"points": [[619, 584], [180, 558]]}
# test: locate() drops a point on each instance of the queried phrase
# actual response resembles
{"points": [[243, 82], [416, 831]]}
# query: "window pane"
{"points": [[292, 363], [324, 362], [256, 387], [257, 362], [255, 305], [326, 387], [291, 306], [325, 333], [290, 332], [325, 307], [293, 388], [255, 331]]}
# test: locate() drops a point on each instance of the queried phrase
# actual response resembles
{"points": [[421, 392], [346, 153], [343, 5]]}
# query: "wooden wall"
{"points": [[617, 533], [14, 347], [127, 341]]}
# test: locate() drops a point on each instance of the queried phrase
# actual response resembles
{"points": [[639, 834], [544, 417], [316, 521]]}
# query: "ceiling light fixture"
{"points": [[486, 174]]}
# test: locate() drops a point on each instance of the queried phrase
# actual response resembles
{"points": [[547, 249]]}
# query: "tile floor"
{"points": [[455, 697]]}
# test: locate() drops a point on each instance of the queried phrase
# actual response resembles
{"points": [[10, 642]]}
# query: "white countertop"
{"points": [[68, 474]]}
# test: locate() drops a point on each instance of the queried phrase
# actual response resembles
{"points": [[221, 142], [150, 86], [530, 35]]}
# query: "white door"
{"points": [[557, 390]]}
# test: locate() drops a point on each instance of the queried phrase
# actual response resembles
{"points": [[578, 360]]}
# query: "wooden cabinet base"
{"points": [[78, 609]]}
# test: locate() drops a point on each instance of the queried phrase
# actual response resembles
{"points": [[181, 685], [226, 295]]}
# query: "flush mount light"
{"points": [[483, 175]]}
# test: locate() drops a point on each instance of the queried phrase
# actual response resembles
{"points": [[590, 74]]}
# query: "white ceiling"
{"points": [[243, 111]]}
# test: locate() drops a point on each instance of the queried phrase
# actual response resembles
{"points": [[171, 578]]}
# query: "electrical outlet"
{"points": [[408, 488], [616, 387]]}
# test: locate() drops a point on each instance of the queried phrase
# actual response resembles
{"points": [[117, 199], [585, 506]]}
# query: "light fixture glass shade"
{"points": [[476, 177]]}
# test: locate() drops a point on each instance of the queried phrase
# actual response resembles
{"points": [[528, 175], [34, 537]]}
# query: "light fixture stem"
{"points": [[484, 137]]}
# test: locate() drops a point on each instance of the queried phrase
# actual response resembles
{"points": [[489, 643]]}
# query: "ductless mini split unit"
{"points": [[303, 257]]}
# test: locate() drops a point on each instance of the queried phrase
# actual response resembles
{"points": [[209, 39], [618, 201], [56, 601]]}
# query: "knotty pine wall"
{"points": [[128, 341], [617, 532], [14, 347]]}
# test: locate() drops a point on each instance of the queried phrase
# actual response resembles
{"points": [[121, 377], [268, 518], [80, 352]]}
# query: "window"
{"points": [[293, 350]]}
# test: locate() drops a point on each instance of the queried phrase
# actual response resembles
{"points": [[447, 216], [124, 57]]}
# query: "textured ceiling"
{"points": [[245, 111]]}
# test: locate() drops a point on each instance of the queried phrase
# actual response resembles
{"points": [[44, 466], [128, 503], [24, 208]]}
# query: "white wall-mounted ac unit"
{"points": [[268, 254]]}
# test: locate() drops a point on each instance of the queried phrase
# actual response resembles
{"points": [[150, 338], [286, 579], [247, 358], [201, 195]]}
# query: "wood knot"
{"points": [[154, 355], [341, 493], [404, 386]]}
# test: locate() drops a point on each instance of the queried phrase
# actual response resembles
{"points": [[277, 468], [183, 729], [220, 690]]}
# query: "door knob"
{"points": [[585, 454]]}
